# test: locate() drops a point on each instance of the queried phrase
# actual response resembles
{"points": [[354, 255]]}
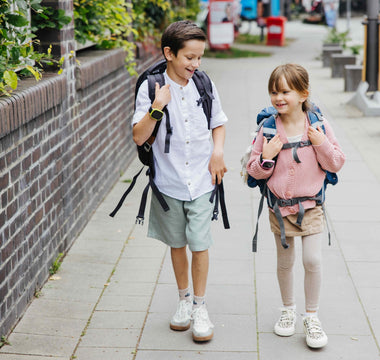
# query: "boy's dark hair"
{"points": [[177, 33]]}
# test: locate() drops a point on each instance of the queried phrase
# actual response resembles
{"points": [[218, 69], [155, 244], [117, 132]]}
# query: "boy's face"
{"points": [[181, 68]]}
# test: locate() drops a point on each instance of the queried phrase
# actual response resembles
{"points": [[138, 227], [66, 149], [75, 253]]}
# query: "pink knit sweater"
{"points": [[289, 179]]}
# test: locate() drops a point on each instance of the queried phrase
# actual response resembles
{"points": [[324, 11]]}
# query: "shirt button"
{"points": [[292, 211], [189, 183], [291, 172], [187, 142], [187, 163], [183, 98], [288, 194]]}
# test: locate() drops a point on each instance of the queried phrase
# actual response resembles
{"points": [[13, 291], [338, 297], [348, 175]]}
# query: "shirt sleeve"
{"points": [[142, 103], [218, 117]]}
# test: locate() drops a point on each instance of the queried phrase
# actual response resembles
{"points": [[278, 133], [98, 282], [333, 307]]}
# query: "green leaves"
{"points": [[17, 55], [10, 79], [16, 20]]}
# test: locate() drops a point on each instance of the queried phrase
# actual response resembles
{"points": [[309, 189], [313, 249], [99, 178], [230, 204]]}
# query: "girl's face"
{"points": [[286, 100], [181, 67]]}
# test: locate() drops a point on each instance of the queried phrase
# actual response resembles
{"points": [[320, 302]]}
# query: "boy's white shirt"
{"points": [[183, 173]]}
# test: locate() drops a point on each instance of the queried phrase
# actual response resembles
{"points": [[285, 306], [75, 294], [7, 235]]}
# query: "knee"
{"points": [[312, 263]]}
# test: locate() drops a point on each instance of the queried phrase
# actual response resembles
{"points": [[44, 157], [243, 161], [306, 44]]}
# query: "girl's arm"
{"points": [[262, 149], [216, 165], [329, 154]]}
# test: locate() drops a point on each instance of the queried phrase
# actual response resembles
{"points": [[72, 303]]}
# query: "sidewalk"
{"points": [[115, 291]]}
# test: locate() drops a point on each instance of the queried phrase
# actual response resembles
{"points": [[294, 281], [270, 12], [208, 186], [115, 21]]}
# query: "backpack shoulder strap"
{"points": [[269, 126], [315, 120], [157, 68], [152, 79], [204, 87], [160, 79]]}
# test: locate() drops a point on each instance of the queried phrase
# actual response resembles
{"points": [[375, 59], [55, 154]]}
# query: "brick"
{"points": [[15, 172], [6, 253], [4, 181], [11, 209]]}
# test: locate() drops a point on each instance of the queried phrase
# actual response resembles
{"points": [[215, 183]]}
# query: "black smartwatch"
{"points": [[266, 164], [156, 114]]}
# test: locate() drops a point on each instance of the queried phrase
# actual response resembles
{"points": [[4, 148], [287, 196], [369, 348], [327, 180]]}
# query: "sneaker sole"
{"points": [[316, 346], [180, 328], [285, 333], [203, 338]]}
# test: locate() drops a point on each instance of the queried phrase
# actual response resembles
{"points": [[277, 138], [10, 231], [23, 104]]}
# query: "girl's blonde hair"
{"points": [[296, 77]]}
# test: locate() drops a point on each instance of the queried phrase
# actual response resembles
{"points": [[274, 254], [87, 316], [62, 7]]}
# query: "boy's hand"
{"points": [[162, 97], [272, 147], [217, 167], [316, 136]]}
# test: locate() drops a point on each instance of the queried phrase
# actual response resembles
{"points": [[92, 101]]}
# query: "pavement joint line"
{"points": [[256, 307], [102, 293], [150, 303], [357, 293]]}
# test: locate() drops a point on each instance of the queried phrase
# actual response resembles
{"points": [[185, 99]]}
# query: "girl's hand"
{"points": [[162, 97], [316, 136], [272, 147]]}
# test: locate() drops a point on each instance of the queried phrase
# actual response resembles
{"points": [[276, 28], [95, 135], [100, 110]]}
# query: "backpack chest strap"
{"points": [[295, 146]]}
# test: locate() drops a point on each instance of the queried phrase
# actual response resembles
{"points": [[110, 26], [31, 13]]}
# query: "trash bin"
{"points": [[276, 30]]}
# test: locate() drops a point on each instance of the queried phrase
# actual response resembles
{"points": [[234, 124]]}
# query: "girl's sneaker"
{"points": [[315, 336], [202, 326], [182, 318], [286, 325]]}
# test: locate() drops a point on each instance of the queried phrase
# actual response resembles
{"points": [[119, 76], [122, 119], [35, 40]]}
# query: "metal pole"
{"points": [[348, 11], [372, 60]]}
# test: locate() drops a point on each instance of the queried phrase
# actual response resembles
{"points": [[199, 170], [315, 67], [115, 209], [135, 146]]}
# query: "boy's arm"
{"points": [[144, 128], [216, 165]]}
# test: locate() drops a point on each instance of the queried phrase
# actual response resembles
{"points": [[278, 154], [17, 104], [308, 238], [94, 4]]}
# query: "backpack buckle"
{"points": [[304, 143], [147, 146], [139, 220]]}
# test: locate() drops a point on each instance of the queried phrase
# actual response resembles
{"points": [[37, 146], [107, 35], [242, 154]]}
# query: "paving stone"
{"points": [[99, 353]]}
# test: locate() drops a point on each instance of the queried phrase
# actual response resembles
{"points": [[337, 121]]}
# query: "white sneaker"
{"points": [[286, 325], [315, 336], [182, 318], [202, 326]]}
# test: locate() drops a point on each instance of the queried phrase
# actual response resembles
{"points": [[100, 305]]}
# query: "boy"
{"points": [[187, 174]]}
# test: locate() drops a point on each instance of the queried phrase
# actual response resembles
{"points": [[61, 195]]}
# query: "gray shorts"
{"points": [[186, 223]]}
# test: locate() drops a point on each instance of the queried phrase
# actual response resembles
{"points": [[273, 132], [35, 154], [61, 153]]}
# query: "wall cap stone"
{"points": [[30, 100]]}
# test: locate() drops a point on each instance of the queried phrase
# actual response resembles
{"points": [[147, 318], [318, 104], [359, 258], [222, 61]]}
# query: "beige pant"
{"points": [[312, 258]]}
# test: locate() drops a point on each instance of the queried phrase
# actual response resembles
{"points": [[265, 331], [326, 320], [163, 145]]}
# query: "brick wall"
{"points": [[63, 143]]}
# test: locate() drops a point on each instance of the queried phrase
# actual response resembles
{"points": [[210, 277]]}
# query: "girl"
{"points": [[288, 179]]}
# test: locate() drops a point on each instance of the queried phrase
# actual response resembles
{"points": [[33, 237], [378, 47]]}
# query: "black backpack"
{"points": [[153, 74]]}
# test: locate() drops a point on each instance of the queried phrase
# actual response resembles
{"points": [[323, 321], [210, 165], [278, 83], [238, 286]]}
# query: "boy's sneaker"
{"points": [[315, 336], [286, 325], [202, 326], [182, 318]]}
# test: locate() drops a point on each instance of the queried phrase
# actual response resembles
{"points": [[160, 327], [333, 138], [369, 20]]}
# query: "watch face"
{"points": [[156, 114], [268, 164]]}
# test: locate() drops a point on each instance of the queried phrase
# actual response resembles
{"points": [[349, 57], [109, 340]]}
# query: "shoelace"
{"points": [[314, 328], [287, 318], [200, 316], [182, 310]]}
